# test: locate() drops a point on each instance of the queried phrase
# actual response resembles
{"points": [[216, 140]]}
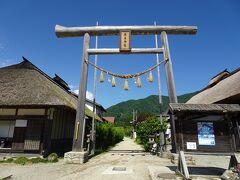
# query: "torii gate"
{"points": [[77, 155]]}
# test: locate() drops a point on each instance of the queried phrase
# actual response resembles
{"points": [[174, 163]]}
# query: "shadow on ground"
{"points": [[208, 171], [127, 151]]}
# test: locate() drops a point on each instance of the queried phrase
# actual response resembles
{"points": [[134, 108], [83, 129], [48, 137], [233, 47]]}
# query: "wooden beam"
{"points": [[62, 31], [133, 51], [80, 116], [170, 84], [182, 165]]}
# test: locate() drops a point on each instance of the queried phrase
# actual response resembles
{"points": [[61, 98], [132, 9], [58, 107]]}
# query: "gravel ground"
{"points": [[126, 154]]}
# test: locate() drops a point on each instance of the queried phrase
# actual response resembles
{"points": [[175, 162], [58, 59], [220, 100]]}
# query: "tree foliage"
{"points": [[108, 135], [151, 126]]}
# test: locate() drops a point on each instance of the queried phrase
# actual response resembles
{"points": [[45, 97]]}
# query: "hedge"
{"points": [[107, 135]]}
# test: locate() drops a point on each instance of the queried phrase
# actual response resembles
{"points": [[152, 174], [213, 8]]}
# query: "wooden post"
{"points": [[238, 132], [182, 166], [170, 83], [80, 116]]}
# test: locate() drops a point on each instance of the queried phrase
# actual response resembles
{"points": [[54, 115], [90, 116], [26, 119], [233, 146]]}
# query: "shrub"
{"points": [[150, 126], [21, 160], [38, 160], [9, 160], [108, 135], [53, 157]]}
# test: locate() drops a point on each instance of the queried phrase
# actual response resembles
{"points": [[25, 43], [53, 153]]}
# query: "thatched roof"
{"points": [[24, 84], [203, 108], [223, 88]]}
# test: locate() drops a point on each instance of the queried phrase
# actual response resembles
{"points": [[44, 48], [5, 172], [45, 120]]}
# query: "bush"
{"points": [[150, 126], [21, 160], [38, 160], [108, 135], [53, 157], [127, 131], [24, 160], [9, 160]]}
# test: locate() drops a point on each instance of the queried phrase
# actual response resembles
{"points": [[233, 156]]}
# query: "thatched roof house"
{"points": [[37, 112], [24, 84], [222, 88]]}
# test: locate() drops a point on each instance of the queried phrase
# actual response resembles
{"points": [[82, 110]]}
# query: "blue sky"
{"points": [[27, 29]]}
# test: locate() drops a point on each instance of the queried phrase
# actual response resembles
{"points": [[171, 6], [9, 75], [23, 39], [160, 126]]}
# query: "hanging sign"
{"points": [[206, 134], [125, 40]]}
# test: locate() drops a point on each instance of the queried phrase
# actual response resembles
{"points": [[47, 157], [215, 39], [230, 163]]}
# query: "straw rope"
{"points": [[125, 76]]}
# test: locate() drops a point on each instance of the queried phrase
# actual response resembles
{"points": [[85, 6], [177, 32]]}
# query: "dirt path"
{"points": [[124, 161]]}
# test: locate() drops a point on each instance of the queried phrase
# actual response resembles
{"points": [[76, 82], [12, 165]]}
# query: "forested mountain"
{"points": [[149, 105]]}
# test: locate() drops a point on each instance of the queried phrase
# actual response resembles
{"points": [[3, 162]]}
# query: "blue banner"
{"points": [[206, 134]]}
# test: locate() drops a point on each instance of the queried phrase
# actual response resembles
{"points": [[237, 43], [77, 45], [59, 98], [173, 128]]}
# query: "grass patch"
{"points": [[38, 160], [52, 158], [21, 160]]}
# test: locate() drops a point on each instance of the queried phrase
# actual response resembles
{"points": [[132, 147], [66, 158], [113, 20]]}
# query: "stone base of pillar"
{"points": [[76, 157]]}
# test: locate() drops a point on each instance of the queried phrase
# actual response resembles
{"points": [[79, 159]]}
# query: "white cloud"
{"points": [[72, 86], [4, 63], [89, 95], [76, 91]]}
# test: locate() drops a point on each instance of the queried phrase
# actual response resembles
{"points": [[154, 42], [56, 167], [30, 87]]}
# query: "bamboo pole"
{"points": [[93, 134]]}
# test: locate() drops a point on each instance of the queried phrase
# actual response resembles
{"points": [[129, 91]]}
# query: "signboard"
{"points": [[206, 134], [191, 145], [125, 40]]}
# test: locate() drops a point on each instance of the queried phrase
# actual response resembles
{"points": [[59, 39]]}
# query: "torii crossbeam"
{"points": [[62, 31]]}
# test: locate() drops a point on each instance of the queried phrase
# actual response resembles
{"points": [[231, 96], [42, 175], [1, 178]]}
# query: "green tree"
{"points": [[151, 126]]}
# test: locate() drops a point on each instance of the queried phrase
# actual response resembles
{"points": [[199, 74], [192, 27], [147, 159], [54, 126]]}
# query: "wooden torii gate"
{"points": [[77, 155]]}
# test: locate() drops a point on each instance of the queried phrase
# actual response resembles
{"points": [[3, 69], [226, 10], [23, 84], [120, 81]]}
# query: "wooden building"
{"points": [[37, 112], [223, 88], [99, 108], [109, 120], [206, 127]]}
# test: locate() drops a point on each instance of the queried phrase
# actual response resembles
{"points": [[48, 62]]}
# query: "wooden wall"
{"points": [[48, 129], [186, 131], [62, 130]]}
